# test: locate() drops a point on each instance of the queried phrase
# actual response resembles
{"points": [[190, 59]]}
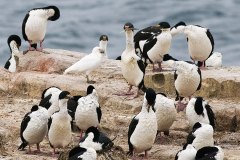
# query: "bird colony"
{"points": [[59, 113]]}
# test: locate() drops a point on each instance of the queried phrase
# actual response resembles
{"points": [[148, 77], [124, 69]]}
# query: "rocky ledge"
{"points": [[37, 71]]}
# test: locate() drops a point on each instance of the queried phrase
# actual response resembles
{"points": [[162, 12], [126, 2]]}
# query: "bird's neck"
{"points": [[129, 40], [14, 49], [103, 45], [63, 105]]}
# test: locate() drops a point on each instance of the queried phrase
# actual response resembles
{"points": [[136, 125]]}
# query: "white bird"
{"points": [[88, 112], [88, 63], [200, 43], [59, 125], [34, 25], [103, 41], [198, 110], [165, 112], [132, 66], [82, 153], [210, 152], [14, 42], [215, 60], [185, 73], [34, 127], [201, 135], [187, 153], [143, 127]]}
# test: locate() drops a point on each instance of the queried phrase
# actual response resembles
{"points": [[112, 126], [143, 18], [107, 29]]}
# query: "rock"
{"points": [[4, 138]]}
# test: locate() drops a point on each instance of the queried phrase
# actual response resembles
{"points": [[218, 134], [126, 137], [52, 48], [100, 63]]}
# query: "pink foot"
{"points": [[181, 106]]}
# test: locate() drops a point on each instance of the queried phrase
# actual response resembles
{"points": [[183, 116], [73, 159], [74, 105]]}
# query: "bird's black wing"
{"points": [[211, 40], [99, 113], [131, 129], [148, 45], [211, 115], [200, 84], [141, 66], [45, 102], [49, 123], [24, 125], [177, 94], [163, 94], [190, 138], [206, 153], [7, 65], [198, 106], [23, 27], [146, 33], [75, 152], [167, 57], [119, 58]]}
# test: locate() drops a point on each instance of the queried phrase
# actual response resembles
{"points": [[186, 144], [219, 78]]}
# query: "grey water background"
{"points": [[83, 21]]}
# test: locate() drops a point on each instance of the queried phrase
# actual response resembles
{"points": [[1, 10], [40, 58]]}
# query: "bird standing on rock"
{"points": [[59, 125], [88, 63], [200, 43], [34, 127], [157, 46], [133, 69], [88, 112], [188, 80], [34, 25], [143, 127], [14, 42]]}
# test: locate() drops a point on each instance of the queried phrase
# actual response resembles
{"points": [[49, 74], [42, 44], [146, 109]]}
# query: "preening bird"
{"points": [[178, 28], [201, 135], [215, 60], [50, 99], [165, 112], [34, 25], [82, 153], [210, 152], [132, 66], [185, 73], [34, 127], [143, 127], [200, 43], [96, 140], [59, 125], [88, 63], [187, 153], [14, 43], [88, 112], [198, 110]]}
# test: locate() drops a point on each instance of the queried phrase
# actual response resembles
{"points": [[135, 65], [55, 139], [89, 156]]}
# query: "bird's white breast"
{"points": [[165, 112], [35, 28], [86, 114], [145, 132]]}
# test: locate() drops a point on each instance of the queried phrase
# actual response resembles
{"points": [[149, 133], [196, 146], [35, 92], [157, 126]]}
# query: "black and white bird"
{"points": [[88, 112], [185, 73], [133, 69], [210, 153], [103, 41], [165, 112], [96, 140], [187, 153], [88, 63], [34, 127], [34, 25], [50, 99], [200, 43], [201, 135], [82, 154], [215, 60], [14, 42], [198, 110], [143, 127], [157, 46], [59, 125]]}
